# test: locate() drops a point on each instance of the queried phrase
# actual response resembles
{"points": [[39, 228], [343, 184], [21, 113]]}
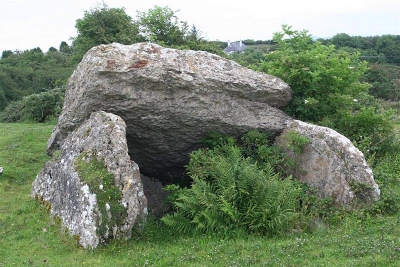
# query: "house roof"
{"points": [[237, 46]]}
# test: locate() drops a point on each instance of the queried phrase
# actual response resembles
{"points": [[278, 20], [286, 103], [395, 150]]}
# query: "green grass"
{"points": [[28, 237]]}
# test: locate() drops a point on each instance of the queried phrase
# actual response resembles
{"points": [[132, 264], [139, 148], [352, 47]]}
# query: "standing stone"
{"points": [[91, 184], [170, 99], [331, 164]]}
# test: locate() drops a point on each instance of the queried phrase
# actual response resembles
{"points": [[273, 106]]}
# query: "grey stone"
{"points": [[332, 164], [67, 195], [170, 99]]}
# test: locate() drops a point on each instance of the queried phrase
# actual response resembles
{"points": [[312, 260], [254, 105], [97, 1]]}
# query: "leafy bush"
{"points": [[370, 130], [231, 193], [387, 175], [327, 90], [385, 81], [319, 75], [36, 107]]}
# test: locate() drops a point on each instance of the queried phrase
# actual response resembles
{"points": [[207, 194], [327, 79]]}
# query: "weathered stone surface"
{"points": [[170, 99], [332, 164], [68, 196]]}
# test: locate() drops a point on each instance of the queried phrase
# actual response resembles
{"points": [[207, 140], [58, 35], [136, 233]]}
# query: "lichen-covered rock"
{"points": [[91, 184], [170, 99], [331, 164]]}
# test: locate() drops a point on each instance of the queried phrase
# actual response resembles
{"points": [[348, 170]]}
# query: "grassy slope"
{"points": [[29, 238]]}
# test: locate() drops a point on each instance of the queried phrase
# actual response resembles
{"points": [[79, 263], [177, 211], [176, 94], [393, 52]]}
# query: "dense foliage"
{"points": [[161, 25], [32, 72], [39, 107], [242, 187], [328, 89], [323, 80], [382, 49], [231, 192], [384, 80], [104, 25]]}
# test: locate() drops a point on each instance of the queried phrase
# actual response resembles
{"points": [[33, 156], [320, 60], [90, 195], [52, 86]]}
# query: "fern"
{"points": [[178, 222], [231, 192]]}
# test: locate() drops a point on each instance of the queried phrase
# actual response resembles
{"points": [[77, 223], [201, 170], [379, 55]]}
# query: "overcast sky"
{"points": [[26, 24]]}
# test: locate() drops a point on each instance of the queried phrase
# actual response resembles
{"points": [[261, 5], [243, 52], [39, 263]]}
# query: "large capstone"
{"points": [[170, 99], [91, 184], [331, 164]]}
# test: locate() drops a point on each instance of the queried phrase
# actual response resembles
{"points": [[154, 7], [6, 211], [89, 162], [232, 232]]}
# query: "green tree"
{"points": [[161, 25], [323, 79], [52, 49], [194, 34], [65, 48], [389, 45], [343, 39], [8, 90], [251, 57], [327, 90], [32, 71], [6, 53], [103, 25], [385, 80]]}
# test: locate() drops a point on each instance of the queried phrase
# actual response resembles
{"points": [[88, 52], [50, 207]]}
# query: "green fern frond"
{"points": [[178, 223]]}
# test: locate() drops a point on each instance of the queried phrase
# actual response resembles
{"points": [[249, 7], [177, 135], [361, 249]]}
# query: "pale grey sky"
{"points": [[26, 24]]}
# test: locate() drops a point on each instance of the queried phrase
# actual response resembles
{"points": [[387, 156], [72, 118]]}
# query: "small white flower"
{"points": [[355, 100], [306, 101], [101, 187]]}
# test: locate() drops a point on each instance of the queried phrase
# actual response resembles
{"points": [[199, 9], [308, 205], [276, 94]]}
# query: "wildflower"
{"points": [[355, 100], [306, 101]]}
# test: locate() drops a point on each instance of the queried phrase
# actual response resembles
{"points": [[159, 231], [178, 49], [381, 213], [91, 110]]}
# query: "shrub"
{"points": [[370, 130], [36, 107], [231, 193], [387, 175], [320, 76]]}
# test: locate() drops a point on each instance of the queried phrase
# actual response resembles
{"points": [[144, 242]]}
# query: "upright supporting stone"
{"points": [[92, 185], [331, 164]]}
